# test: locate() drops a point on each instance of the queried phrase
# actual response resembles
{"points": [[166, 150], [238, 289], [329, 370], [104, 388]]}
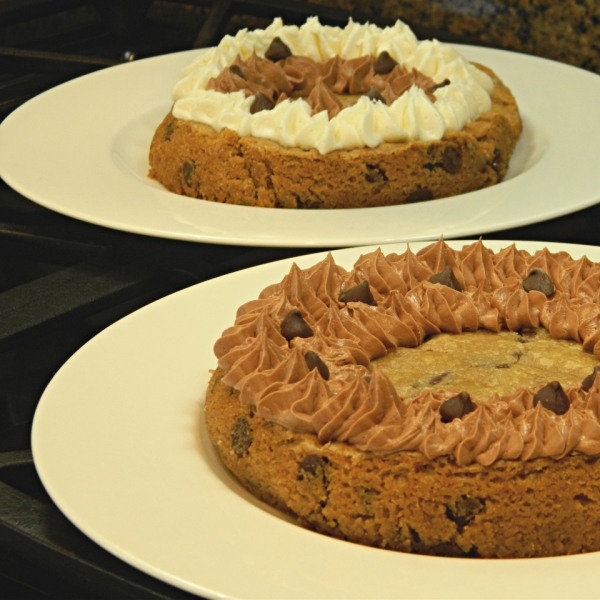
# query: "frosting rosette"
{"points": [[459, 94], [304, 353]]}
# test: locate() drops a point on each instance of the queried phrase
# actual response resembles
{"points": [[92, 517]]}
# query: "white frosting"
{"points": [[367, 123]]}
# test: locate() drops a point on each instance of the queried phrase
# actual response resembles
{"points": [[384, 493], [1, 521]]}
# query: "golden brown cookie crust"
{"points": [[483, 363], [192, 159], [404, 501]]}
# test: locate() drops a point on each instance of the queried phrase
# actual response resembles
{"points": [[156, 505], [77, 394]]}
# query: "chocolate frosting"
{"points": [[319, 82], [357, 404]]}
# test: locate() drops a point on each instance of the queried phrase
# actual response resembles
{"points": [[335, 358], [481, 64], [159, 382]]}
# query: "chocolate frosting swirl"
{"points": [[358, 405], [319, 82]]}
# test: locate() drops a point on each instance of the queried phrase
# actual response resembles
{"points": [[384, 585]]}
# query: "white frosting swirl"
{"points": [[367, 123]]}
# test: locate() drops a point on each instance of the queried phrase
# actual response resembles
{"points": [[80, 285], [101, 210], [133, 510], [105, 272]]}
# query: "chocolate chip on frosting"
{"points": [[261, 102], [456, 407], [437, 86], [384, 64], [293, 325], [375, 94], [277, 50], [553, 397], [539, 281], [358, 293], [235, 70], [446, 277], [314, 361], [588, 382]]}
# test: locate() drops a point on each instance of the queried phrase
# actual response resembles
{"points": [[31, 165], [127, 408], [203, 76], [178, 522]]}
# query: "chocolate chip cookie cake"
{"points": [[445, 402], [326, 117]]}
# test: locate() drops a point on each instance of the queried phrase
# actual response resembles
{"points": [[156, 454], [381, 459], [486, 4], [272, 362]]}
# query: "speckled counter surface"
{"points": [[564, 30]]}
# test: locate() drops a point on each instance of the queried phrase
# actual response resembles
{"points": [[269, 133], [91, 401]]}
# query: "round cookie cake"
{"points": [[445, 402], [326, 117]]}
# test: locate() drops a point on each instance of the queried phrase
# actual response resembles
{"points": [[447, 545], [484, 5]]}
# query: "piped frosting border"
{"points": [[367, 123], [359, 405]]}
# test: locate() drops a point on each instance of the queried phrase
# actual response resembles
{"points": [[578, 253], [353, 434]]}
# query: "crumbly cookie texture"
{"points": [[484, 363], [404, 501], [192, 159]]}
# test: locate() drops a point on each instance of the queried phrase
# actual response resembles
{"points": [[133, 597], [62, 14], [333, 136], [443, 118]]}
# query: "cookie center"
{"points": [[482, 363]]}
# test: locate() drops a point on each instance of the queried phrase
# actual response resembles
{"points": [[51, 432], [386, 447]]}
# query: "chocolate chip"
{"points": [[526, 334], [293, 325], [452, 550], [438, 378], [437, 86], [315, 204], [312, 465], [497, 161], [384, 64], [553, 397], [241, 436], [235, 70], [261, 102], [449, 549], [446, 277], [464, 510], [374, 175], [419, 195], [169, 131], [277, 50], [540, 281], [451, 160], [375, 94], [187, 170], [583, 499], [588, 382], [456, 407], [314, 361], [358, 293]]}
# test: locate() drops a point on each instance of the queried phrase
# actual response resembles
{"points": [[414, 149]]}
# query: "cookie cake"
{"points": [[327, 117], [445, 402]]}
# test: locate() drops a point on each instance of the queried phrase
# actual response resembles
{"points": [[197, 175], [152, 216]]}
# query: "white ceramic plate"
{"points": [[119, 442], [81, 149]]}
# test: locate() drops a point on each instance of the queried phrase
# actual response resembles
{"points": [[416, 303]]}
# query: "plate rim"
{"points": [[156, 220], [476, 572]]}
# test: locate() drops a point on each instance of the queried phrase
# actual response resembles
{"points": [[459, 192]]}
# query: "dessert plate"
{"points": [[81, 149], [119, 442]]}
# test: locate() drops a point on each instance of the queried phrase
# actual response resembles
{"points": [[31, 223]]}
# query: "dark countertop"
{"points": [[564, 31]]}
